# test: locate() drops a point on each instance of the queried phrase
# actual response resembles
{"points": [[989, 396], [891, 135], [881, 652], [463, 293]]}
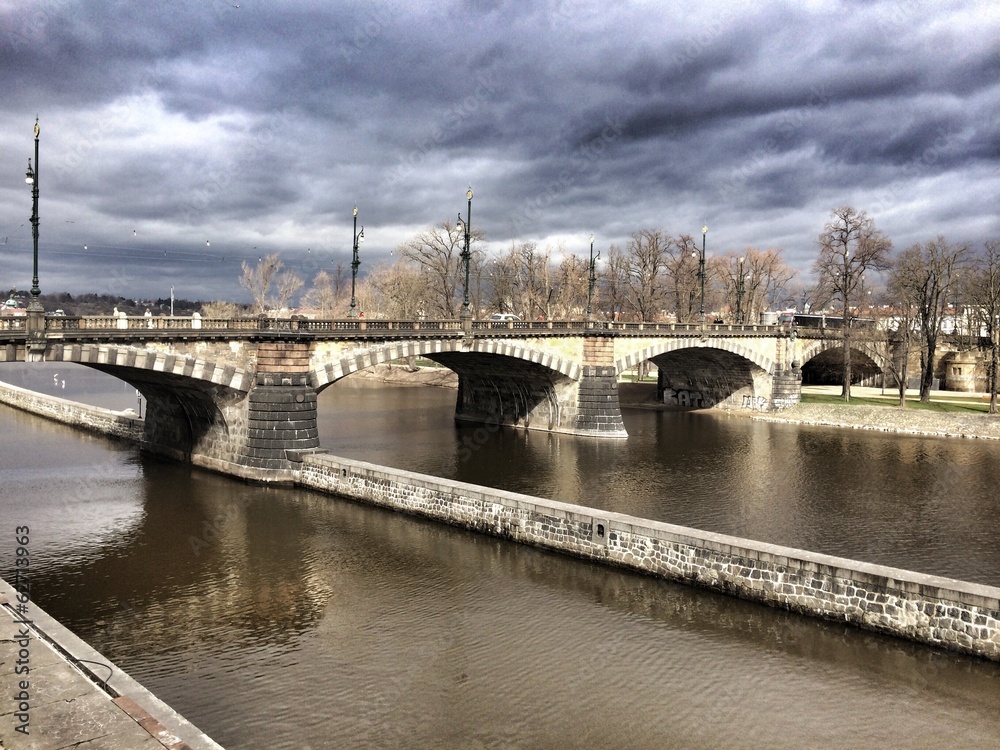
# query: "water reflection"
{"points": [[286, 619], [915, 502]]}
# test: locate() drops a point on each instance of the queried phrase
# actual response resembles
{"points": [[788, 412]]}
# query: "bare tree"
{"points": [[849, 245], [926, 273], [325, 292], [899, 329], [685, 286], [983, 290], [647, 258], [614, 282], [533, 279], [395, 291], [220, 309], [258, 279], [286, 285], [437, 250], [572, 281], [502, 292]]}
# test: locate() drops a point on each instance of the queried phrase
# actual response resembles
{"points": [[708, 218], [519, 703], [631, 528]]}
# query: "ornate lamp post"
{"points": [[31, 177], [701, 275], [465, 224], [593, 274], [359, 237], [35, 322]]}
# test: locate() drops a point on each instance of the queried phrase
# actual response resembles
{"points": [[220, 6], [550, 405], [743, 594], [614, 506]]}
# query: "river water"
{"points": [[281, 618]]}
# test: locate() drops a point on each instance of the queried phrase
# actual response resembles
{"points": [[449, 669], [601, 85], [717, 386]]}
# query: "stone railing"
{"points": [[62, 324]]}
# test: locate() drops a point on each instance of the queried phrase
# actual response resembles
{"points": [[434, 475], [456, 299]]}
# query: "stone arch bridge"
{"points": [[239, 396]]}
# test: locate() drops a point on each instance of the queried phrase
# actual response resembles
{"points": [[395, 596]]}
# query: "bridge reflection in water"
{"points": [[279, 618]]}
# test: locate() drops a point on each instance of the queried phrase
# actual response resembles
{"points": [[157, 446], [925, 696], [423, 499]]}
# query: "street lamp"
{"points": [[701, 274], [466, 256], [31, 177], [358, 238], [593, 274], [739, 294]]}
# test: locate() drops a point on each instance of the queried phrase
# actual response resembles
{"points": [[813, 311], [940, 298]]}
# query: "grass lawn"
{"points": [[946, 404]]}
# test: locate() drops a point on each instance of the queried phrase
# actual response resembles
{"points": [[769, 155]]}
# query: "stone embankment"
{"points": [[888, 419], [397, 374], [126, 425], [942, 612]]}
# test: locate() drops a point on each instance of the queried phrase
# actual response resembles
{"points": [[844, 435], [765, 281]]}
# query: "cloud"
{"points": [[259, 127]]}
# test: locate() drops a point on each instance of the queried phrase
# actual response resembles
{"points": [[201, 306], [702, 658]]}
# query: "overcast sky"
{"points": [[179, 138]]}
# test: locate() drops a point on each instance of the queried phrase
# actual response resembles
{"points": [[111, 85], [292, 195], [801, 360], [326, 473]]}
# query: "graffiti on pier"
{"points": [[757, 403], [693, 399]]}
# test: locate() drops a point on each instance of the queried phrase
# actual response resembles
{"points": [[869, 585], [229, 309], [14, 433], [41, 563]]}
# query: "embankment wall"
{"points": [[943, 612], [92, 418]]}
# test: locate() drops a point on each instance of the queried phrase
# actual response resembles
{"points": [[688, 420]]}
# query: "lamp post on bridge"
{"points": [[31, 177], [593, 275], [35, 323], [359, 237], [701, 274], [466, 314]]}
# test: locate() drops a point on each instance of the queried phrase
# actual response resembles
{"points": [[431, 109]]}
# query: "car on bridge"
{"points": [[503, 316]]}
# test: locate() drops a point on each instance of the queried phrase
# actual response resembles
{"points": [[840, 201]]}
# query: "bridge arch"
{"points": [[695, 373], [864, 346], [500, 382], [130, 358], [822, 364], [190, 401], [665, 346], [326, 370]]}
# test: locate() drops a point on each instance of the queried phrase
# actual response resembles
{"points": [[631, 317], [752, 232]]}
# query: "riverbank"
{"points": [[888, 418]]}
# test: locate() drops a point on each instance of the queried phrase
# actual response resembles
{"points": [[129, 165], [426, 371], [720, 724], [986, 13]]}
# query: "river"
{"points": [[281, 618]]}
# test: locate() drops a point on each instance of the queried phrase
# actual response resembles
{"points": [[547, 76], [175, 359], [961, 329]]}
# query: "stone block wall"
{"points": [[598, 409], [942, 612], [786, 389], [281, 424], [92, 418]]}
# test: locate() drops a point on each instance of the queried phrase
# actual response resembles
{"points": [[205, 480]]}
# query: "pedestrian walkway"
{"points": [[50, 699]]}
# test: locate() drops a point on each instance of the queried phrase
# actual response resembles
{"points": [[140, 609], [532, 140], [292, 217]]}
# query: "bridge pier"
{"points": [[500, 390]]}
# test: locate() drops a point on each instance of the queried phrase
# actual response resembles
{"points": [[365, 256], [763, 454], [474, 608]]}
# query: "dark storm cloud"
{"points": [[256, 128]]}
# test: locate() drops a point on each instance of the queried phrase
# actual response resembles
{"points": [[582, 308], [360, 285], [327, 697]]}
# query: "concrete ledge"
{"points": [[943, 612], [161, 721]]}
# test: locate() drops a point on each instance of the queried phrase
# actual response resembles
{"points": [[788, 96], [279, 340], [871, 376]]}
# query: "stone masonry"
{"points": [[941, 612], [598, 411], [281, 408]]}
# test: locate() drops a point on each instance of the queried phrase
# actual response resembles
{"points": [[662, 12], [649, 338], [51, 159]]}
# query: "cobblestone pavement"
{"points": [[55, 704]]}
